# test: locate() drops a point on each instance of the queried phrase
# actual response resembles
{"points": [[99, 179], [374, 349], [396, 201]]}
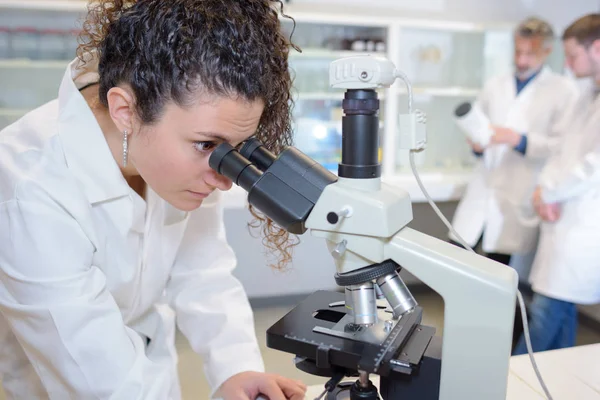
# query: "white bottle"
{"points": [[473, 122]]}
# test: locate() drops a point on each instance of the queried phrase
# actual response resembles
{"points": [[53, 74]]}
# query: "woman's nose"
{"points": [[218, 181]]}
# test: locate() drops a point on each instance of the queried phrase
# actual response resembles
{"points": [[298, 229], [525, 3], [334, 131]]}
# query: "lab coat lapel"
{"points": [[517, 116], [507, 97], [518, 109], [87, 154]]}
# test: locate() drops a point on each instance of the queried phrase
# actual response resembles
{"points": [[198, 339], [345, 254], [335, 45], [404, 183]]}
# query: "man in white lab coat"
{"points": [[566, 269], [525, 109]]}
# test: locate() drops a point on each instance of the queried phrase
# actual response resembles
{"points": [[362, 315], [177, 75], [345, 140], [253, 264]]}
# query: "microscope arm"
{"points": [[479, 302]]}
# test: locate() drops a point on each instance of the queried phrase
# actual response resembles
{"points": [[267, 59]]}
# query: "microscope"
{"points": [[374, 325]]}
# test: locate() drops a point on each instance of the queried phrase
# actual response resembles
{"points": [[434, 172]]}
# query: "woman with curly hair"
{"points": [[111, 230]]}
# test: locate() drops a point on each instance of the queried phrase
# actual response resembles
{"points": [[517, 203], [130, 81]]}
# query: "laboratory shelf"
{"points": [[22, 63], [440, 91], [333, 54], [52, 5]]}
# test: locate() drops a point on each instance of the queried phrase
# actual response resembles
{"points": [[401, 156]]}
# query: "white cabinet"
{"points": [[447, 62], [37, 40], [26, 84]]}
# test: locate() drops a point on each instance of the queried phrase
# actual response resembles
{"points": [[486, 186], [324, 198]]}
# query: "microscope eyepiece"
{"points": [[285, 188], [227, 161], [256, 152], [218, 154]]}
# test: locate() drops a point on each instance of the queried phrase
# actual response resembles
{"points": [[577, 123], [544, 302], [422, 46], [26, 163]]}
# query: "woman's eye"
{"points": [[204, 146]]}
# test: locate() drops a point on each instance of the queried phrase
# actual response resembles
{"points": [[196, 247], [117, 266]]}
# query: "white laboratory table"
{"points": [[572, 373]]}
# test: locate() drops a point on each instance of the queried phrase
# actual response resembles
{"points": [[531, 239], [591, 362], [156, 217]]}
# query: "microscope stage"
{"points": [[319, 330]]}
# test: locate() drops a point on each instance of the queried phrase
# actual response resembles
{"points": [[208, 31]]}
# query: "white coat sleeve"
{"points": [[57, 305], [561, 182], [541, 145], [211, 306]]}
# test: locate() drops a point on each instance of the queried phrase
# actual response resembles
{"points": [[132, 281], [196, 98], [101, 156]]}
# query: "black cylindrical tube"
{"points": [[360, 135], [248, 177], [256, 152], [218, 154], [229, 162], [233, 164]]}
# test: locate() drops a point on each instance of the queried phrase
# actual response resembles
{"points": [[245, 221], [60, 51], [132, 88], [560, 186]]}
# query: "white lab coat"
{"points": [[89, 270], [497, 201], [567, 263]]}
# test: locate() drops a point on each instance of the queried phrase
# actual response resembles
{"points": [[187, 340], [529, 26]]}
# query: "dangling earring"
{"points": [[125, 149]]}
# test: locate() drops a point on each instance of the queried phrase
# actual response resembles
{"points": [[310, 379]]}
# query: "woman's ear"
{"points": [[121, 107]]}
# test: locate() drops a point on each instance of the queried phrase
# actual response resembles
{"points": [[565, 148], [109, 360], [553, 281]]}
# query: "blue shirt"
{"points": [[522, 83]]}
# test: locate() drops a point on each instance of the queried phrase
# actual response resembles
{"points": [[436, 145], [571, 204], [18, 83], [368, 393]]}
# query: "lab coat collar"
{"points": [[526, 81], [86, 152], [172, 215], [538, 77], [544, 72], [88, 156]]}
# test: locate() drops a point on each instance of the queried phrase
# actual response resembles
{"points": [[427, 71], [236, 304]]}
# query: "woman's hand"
{"points": [[249, 385]]}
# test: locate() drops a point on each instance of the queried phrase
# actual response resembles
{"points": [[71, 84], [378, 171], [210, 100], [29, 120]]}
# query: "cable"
{"points": [[432, 203], [402, 75], [528, 344], [466, 246]]}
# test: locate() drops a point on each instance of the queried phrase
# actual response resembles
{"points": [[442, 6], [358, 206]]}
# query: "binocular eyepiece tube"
{"points": [[227, 161], [256, 152], [244, 167], [285, 187]]}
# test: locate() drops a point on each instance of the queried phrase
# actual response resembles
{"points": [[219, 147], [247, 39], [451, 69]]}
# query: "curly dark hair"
{"points": [[169, 50]]}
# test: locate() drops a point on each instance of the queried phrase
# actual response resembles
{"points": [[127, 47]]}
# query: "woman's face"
{"points": [[172, 154]]}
